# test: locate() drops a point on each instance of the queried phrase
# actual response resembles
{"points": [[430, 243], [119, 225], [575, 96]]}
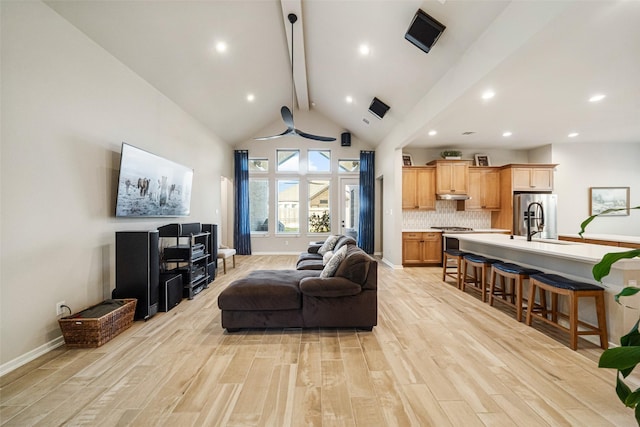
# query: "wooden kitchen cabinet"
{"points": [[532, 178], [484, 189], [418, 188], [452, 176], [421, 248]]}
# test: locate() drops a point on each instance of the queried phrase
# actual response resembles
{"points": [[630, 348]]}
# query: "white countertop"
{"points": [[556, 248], [610, 237], [437, 230]]}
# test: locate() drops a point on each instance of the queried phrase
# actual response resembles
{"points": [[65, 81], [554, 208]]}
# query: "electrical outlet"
{"points": [[286, 242], [633, 282], [59, 308]]}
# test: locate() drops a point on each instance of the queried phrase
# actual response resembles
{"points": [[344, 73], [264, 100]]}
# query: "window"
{"points": [[319, 212], [288, 206], [259, 204], [319, 161], [288, 160], [348, 166], [258, 165]]}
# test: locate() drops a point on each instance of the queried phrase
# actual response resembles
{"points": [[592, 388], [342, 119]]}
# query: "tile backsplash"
{"points": [[445, 215]]}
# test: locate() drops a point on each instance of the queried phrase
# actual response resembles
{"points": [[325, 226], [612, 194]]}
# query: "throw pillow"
{"points": [[326, 257], [330, 269], [328, 245]]}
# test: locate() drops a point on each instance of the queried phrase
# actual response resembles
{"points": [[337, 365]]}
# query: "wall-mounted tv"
{"points": [[151, 186]]}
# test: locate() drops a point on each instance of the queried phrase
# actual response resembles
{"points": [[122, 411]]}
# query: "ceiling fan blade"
{"points": [[316, 137], [285, 133], [287, 116]]}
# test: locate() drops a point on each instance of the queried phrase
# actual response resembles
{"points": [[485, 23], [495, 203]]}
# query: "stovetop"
{"points": [[449, 228]]}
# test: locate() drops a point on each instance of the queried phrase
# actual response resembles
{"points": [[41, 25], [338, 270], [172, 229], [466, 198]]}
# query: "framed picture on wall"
{"points": [[603, 198], [407, 160]]}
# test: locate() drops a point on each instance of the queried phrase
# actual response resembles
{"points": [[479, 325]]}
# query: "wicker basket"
{"points": [[80, 331]]}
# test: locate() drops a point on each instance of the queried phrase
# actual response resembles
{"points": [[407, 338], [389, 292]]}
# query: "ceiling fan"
{"points": [[287, 115]]}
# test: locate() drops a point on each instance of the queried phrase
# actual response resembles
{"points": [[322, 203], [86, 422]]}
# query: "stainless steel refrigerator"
{"points": [[548, 214]]}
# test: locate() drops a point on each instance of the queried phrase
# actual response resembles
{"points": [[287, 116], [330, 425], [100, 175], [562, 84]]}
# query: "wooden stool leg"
{"points": [[554, 307], [532, 299], [460, 262], [234, 261], [518, 291], [492, 284], [224, 265], [444, 266], [543, 303], [602, 320], [483, 284], [573, 319]]}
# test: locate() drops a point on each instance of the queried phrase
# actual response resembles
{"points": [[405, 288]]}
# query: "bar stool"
{"points": [[480, 265], [511, 275], [456, 256], [559, 285]]}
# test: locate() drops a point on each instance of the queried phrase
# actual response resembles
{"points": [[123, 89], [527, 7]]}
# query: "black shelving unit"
{"points": [[189, 257]]}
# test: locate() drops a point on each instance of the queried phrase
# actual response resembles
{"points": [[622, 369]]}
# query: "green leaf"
{"points": [[637, 414], [632, 337], [622, 390], [587, 221], [626, 292], [620, 358], [603, 268], [633, 399]]}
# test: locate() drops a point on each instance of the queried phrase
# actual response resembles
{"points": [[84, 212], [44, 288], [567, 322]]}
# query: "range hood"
{"points": [[453, 196]]}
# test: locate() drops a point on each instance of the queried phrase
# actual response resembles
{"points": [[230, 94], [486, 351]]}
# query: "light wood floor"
{"points": [[438, 357]]}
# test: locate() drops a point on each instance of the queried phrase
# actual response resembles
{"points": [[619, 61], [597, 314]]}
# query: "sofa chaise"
{"points": [[305, 298]]}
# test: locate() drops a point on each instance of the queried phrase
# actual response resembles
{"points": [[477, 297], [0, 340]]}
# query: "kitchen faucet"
{"points": [[528, 216]]}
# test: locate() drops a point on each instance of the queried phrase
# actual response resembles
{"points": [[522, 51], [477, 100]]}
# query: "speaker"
{"points": [[170, 291], [138, 270], [345, 139], [424, 31], [211, 270], [212, 229], [174, 230], [378, 108]]}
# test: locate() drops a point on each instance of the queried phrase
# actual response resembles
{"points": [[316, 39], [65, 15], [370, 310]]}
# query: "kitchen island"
{"points": [[570, 259]]}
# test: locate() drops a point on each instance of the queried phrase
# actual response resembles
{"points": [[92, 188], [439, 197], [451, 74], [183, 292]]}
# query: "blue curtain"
{"points": [[242, 227], [367, 201]]}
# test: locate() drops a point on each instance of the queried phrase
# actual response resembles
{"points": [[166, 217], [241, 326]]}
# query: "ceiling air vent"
{"points": [[468, 133]]}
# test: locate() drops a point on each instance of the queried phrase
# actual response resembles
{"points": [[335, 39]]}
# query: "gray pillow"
{"points": [[330, 269], [328, 244], [326, 257]]}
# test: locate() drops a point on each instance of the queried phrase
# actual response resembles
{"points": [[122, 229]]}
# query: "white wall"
{"points": [[581, 166], [66, 107], [314, 123]]}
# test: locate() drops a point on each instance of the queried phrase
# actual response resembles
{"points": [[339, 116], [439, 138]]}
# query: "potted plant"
{"points": [[626, 357], [451, 154]]}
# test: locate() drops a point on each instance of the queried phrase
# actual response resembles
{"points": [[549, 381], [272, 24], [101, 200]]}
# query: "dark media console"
{"points": [[160, 278]]}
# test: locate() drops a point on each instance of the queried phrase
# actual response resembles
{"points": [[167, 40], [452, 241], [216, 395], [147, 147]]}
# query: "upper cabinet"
{"points": [[484, 189], [532, 178], [418, 188], [452, 176]]}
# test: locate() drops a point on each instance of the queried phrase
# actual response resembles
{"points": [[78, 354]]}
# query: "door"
{"points": [[349, 206]]}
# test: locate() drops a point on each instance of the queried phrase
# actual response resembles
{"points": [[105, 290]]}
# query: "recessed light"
{"points": [[573, 134], [348, 99], [250, 97], [596, 98], [364, 50], [433, 132], [488, 94], [507, 133], [221, 47]]}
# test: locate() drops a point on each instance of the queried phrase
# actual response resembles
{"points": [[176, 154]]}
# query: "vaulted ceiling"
{"points": [[543, 61]]}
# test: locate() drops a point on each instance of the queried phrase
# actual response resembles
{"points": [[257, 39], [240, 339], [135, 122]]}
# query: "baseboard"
{"points": [[390, 264], [11, 365]]}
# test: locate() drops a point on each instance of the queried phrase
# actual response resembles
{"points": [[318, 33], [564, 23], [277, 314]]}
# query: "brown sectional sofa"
{"points": [[303, 299]]}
